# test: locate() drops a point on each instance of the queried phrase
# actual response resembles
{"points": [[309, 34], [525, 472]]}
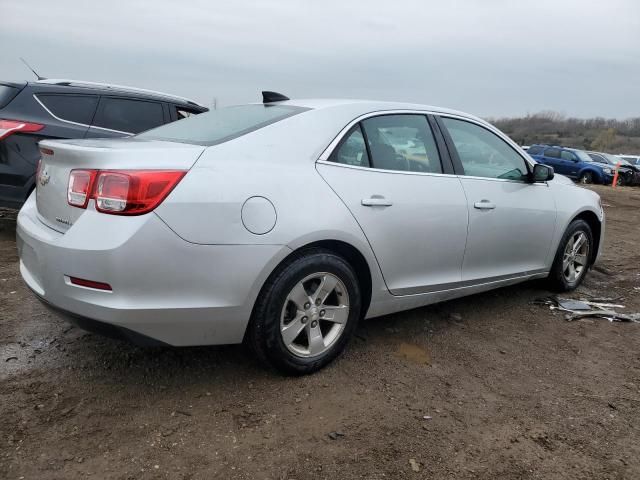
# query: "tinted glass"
{"points": [[131, 116], [402, 142], [74, 108], [484, 154], [534, 150], [6, 94], [566, 155], [222, 125], [352, 150], [552, 152]]}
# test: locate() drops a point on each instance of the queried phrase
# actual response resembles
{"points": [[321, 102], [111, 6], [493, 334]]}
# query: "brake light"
{"points": [[122, 192], [79, 189], [7, 127]]}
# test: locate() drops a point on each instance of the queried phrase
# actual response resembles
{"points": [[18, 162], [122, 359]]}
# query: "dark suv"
{"points": [[34, 111], [573, 163]]}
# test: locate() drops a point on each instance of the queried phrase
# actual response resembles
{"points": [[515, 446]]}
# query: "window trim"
{"points": [[344, 139], [457, 163], [35, 97], [445, 160]]}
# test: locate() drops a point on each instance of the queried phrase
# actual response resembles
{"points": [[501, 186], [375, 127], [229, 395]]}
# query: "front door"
{"points": [[511, 221], [388, 172]]}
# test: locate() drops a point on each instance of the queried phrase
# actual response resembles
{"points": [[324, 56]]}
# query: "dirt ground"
{"points": [[490, 386]]}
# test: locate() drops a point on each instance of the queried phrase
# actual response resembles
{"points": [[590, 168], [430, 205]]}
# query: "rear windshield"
{"points": [[6, 94], [218, 126]]}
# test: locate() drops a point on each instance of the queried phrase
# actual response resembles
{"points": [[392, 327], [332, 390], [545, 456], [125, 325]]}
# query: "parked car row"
{"points": [[66, 109], [586, 167]]}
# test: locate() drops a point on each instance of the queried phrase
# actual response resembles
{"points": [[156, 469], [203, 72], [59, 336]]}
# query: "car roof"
{"points": [[367, 106], [64, 85]]}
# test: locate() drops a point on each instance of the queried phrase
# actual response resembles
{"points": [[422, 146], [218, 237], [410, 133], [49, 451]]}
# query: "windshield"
{"points": [[615, 160], [222, 125], [582, 156]]}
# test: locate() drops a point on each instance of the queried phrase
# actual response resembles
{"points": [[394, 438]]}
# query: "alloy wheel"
{"points": [[314, 314], [575, 258]]}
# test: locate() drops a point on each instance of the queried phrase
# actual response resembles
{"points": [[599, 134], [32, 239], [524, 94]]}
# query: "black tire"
{"points": [[586, 178], [557, 280], [263, 334]]}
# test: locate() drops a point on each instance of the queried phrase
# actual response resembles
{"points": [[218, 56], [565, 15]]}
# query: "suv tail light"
{"points": [[122, 192], [7, 127]]}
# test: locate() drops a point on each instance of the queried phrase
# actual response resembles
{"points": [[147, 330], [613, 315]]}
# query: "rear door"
{"points": [[511, 221], [120, 116], [551, 156], [389, 172]]}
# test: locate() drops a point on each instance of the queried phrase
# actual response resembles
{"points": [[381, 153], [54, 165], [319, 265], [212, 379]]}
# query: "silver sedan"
{"points": [[286, 222]]}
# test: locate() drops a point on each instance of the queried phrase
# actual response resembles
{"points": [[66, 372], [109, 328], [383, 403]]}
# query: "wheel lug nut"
{"points": [[314, 324], [304, 319], [322, 312], [307, 305]]}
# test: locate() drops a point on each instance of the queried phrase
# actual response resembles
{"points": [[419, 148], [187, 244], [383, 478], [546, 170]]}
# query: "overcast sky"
{"points": [[488, 57]]}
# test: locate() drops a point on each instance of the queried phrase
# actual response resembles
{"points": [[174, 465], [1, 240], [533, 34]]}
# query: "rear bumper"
{"points": [[163, 287]]}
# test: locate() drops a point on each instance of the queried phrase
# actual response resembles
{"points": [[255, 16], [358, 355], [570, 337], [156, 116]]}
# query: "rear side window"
{"points": [[73, 108], [552, 152], [534, 150], [7, 93], [402, 142], [597, 158], [222, 125], [128, 115], [352, 150]]}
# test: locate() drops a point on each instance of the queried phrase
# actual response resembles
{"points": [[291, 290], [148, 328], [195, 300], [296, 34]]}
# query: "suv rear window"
{"points": [[74, 108], [6, 94], [222, 125]]}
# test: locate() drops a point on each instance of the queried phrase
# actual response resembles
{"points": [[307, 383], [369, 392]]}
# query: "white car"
{"points": [[286, 222]]}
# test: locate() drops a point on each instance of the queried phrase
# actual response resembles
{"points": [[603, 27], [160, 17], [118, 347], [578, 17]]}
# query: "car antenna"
{"points": [[29, 67], [270, 97]]}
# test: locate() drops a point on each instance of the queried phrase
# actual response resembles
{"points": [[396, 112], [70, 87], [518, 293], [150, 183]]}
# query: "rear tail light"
{"points": [[7, 127], [79, 189], [122, 192]]}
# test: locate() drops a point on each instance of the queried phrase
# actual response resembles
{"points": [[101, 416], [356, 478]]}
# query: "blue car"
{"points": [[572, 163]]}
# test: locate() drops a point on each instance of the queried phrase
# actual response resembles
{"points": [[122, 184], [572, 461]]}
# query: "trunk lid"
{"points": [[59, 157]]}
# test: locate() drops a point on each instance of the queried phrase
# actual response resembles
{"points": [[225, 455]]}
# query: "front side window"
{"points": [[402, 142], [221, 125], [566, 155], [73, 108], [127, 115], [597, 158], [352, 150], [484, 154]]}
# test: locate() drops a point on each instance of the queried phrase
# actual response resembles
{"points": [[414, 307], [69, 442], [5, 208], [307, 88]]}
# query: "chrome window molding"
{"points": [[76, 123], [326, 154]]}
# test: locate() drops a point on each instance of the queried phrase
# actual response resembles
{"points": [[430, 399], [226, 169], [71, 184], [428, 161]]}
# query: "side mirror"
{"points": [[542, 173]]}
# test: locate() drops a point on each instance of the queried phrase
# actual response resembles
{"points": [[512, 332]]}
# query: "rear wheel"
{"points": [[306, 312], [572, 260]]}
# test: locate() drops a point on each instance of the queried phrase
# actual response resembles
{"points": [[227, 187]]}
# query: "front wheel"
{"points": [[306, 312], [586, 178], [572, 259]]}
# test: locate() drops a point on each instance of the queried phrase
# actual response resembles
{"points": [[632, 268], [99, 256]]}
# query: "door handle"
{"points": [[376, 201], [484, 205]]}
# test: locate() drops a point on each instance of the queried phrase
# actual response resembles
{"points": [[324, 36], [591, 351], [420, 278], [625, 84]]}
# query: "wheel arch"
{"points": [[596, 228], [345, 250]]}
